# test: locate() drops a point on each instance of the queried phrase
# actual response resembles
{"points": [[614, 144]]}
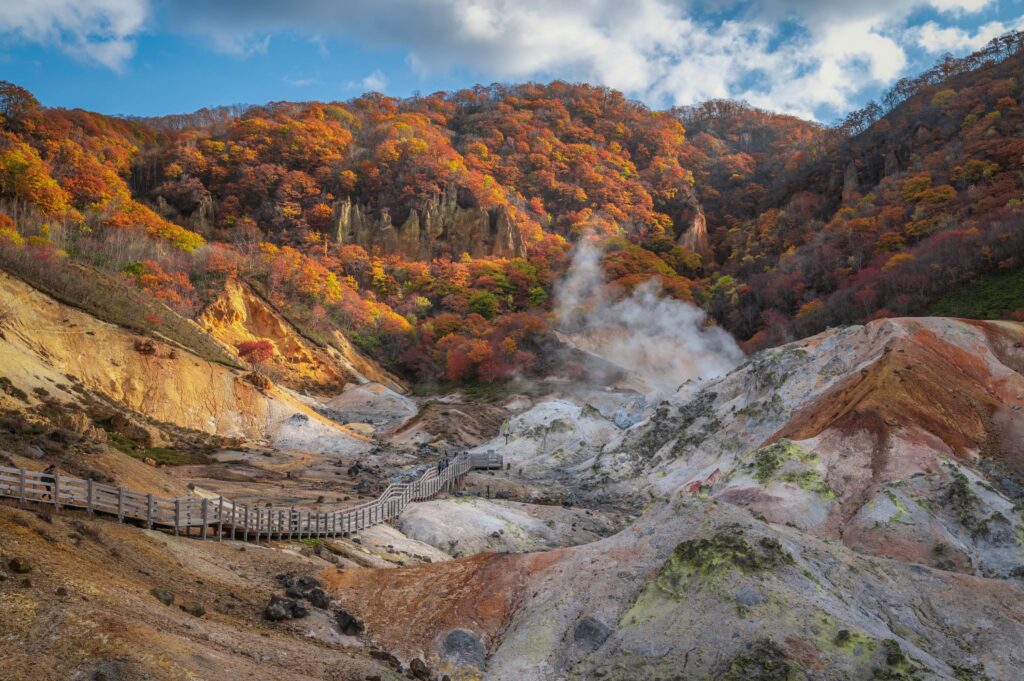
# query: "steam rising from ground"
{"points": [[663, 341]]}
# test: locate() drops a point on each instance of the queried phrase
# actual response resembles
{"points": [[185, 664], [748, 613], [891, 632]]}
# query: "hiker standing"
{"points": [[49, 481]]}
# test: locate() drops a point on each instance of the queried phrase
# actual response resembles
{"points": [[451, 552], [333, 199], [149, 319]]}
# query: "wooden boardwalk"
{"points": [[217, 517]]}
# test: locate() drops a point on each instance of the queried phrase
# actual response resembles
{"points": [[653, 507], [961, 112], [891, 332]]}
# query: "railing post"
{"points": [[120, 504], [245, 524], [177, 515], [206, 518], [149, 511], [220, 518], [88, 496], [234, 519], [21, 485], [56, 490]]}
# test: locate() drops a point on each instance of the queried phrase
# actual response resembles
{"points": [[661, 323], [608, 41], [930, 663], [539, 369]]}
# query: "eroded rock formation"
{"points": [[451, 222], [692, 229]]}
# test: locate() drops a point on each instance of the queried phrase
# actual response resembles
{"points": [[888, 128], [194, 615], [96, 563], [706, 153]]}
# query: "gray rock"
{"points": [[1012, 489], [284, 608], [318, 598], [306, 583], [463, 647], [348, 623], [419, 669], [591, 633], [387, 658], [163, 595], [748, 597]]}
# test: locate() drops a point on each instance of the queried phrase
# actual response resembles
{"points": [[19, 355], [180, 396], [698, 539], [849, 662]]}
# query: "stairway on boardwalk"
{"points": [[217, 517]]}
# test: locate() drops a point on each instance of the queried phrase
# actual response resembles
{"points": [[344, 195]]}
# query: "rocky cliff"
{"points": [[451, 222], [239, 314], [55, 357], [692, 228]]}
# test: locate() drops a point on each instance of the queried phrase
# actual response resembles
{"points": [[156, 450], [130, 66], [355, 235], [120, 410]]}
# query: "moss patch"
{"points": [[701, 564], [764, 661], [897, 667], [786, 461], [173, 457], [963, 500], [901, 508], [709, 557]]}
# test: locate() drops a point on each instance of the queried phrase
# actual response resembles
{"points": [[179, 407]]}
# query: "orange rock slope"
{"points": [[240, 314]]}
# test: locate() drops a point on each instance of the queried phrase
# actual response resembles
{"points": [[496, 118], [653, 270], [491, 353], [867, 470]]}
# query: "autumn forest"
{"points": [[433, 231]]}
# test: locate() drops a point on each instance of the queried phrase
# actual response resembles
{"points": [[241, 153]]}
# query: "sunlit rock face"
{"points": [[451, 222]]}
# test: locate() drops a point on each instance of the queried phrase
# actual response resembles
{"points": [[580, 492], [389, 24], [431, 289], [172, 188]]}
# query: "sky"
{"points": [[813, 58]]}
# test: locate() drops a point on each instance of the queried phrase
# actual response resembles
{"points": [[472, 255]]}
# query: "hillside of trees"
{"points": [[807, 226]]}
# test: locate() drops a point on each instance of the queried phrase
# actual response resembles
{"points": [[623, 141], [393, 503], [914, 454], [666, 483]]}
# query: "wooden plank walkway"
{"points": [[215, 518]]}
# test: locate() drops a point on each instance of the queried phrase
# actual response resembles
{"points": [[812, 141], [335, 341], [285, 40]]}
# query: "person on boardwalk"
{"points": [[49, 481]]}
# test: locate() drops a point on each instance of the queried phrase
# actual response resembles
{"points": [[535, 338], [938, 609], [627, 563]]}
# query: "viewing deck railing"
{"points": [[217, 516]]}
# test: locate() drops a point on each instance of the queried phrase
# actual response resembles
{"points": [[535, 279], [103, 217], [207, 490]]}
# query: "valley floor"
{"points": [[845, 507]]}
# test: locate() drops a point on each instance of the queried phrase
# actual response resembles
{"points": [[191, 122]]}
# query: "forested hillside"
{"points": [[432, 230]]}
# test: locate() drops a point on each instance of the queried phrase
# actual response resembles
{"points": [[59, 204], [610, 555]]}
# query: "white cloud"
{"points": [[300, 82], [958, 6], [99, 31], [373, 82], [800, 56], [659, 51], [936, 39]]}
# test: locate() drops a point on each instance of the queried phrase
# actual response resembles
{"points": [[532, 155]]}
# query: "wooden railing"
{"points": [[219, 516]]}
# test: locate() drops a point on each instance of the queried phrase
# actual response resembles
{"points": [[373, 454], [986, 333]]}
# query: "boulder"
{"points": [[387, 658], [462, 647], [163, 595], [76, 421], [279, 609], [19, 566], [349, 624], [144, 435], [419, 669], [318, 598], [591, 633]]}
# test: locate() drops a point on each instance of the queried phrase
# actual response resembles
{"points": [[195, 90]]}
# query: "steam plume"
{"points": [[661, 340]]}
